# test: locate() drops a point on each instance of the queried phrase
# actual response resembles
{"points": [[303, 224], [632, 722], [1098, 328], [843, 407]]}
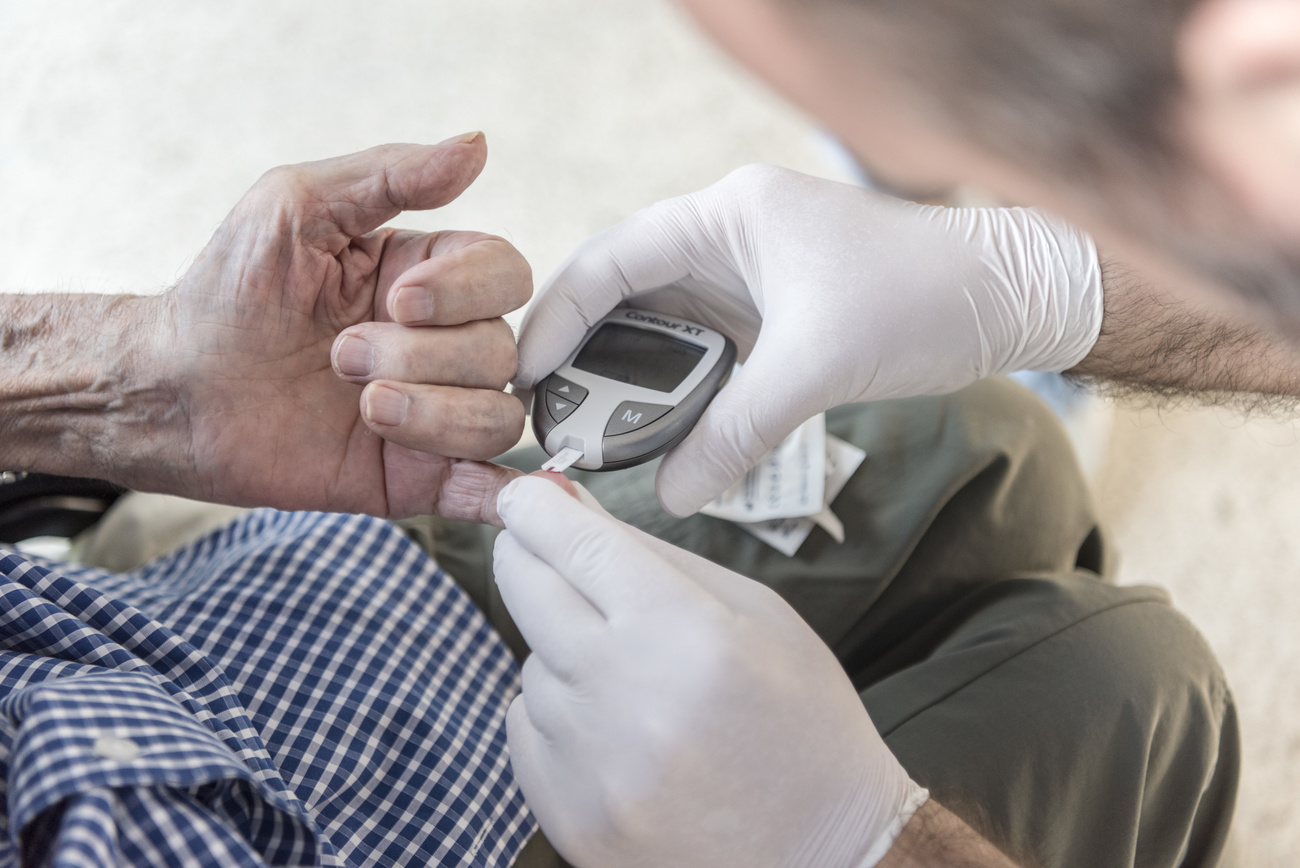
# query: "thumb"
{"points": [[595, 553], [653, 248], [754, 412], [357, 193]]}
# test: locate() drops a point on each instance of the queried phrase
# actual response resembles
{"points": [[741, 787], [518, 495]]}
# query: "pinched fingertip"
{"points": [[524, 489], [559, 479]]}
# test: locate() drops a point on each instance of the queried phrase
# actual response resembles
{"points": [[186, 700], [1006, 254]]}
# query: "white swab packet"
{"points": [[790, 481], [789, 492]]}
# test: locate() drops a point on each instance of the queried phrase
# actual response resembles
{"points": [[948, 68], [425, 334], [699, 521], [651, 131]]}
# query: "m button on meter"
{"points": [[632, 415]]}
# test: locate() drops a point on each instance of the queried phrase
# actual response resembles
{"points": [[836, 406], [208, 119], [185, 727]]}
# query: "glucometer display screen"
{"points": [[639, 357]]}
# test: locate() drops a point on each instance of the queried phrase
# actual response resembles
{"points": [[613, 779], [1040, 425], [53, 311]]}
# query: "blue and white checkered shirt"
{"points": [[296, 689]]}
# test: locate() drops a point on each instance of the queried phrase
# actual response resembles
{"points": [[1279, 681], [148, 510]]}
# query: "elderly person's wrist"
{"points": [[85, 388]]}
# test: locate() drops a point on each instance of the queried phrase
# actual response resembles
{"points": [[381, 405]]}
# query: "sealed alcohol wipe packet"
{"points": [[789, 492]]}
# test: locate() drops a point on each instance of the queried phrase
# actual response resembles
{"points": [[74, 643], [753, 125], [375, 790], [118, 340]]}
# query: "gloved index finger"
{"points": [[594, 553], [650, 249]]}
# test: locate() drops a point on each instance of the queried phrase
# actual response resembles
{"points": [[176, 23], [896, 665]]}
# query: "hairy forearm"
{"points": [[1159, 342], [81, 387], [937, 838]]}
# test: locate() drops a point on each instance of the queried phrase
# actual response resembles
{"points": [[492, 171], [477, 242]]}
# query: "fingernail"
{"points": [[385, 406], [463, 139], [413, 304], [354, 357]]}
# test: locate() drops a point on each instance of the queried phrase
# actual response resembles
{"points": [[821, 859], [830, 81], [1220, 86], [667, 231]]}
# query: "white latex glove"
{"points": [[677, 714], [835, 294]]}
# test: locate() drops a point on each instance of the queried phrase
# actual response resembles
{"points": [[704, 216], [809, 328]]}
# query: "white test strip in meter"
{"points": [[632, 390], [563, 460]]}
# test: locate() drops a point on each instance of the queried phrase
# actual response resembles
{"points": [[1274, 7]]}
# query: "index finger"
{"points": [[592, 552], [466, 276]]}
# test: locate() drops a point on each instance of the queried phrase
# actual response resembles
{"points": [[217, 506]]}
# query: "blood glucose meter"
{"points": [[632, 390]]}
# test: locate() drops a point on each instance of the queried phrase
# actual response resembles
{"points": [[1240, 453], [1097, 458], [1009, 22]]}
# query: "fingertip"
{"points": [[384, 406], [559, 479], [334, 352], [518, 418], [506, 496], [466, 138], [471, 146], [682, 486], [421, 177], [412, 305], [525, 378], [509, 498], [461, 278], [352, 357], [524, 394], [679, 507]]}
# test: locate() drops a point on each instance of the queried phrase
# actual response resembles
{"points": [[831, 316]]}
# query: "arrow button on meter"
{"points": [[560, 407], [566, 390]]}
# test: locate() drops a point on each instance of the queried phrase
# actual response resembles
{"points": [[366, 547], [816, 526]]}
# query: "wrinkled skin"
{"points": [[266, 413]]}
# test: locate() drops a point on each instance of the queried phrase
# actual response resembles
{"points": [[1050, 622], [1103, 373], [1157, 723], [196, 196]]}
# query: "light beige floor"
{"points": [[129, 127]]}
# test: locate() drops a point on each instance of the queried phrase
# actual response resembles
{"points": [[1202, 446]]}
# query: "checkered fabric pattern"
{"points": [[295, 689]]}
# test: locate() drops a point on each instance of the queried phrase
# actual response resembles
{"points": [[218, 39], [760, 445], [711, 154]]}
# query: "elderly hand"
{"points": [[834, 294], [676, 713], [320, 362]]}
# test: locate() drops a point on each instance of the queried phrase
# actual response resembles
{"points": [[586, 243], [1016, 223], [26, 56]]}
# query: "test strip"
{"points": [[563, 460]]}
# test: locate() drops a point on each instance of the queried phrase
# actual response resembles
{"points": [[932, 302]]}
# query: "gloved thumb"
{"points": [[651, 249], [750, 415]]}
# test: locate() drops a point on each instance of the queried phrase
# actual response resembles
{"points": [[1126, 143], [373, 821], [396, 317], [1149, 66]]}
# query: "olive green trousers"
{"points": [[1074, 722]]}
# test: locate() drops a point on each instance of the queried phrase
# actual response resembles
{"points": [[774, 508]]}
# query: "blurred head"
{"points": [[1168, 128]]}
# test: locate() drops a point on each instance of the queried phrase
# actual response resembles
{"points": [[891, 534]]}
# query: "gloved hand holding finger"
{"points": [[702, 724], [856, 297]]}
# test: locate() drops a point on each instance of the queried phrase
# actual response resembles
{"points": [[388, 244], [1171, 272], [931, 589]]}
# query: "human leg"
{"points": [[1073, 722]]}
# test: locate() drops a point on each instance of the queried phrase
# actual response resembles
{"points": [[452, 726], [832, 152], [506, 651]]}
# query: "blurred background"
{"points": [[129, 128]]}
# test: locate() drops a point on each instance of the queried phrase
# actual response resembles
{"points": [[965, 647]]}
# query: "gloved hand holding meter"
{"points": [[643, 654], [833, 294]]}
